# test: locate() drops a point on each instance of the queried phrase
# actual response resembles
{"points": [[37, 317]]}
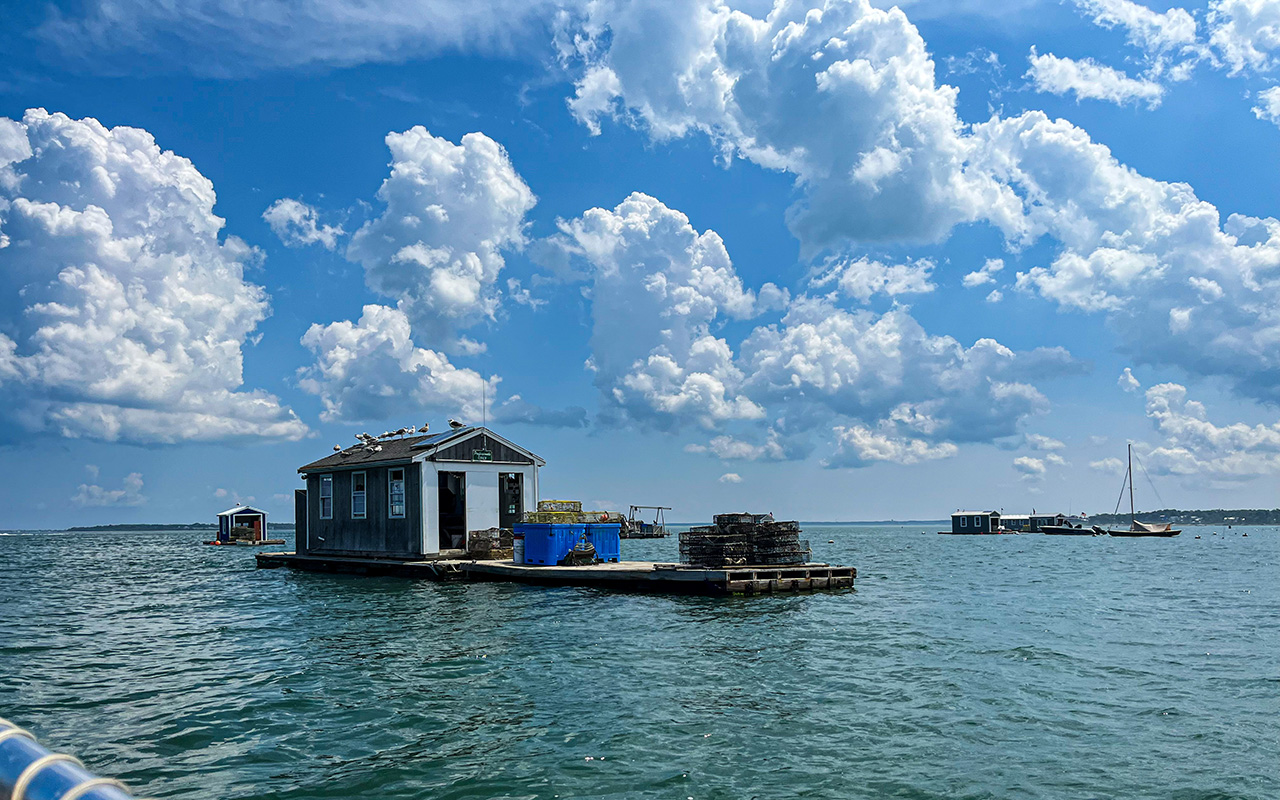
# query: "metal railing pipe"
{"points": [[30, 772]]}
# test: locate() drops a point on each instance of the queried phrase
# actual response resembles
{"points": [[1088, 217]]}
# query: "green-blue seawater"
{"points": [[961, 667]]}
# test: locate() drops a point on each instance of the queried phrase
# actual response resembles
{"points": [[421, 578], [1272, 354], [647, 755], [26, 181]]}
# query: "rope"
{"points": [[1143, 467], [1120, 499]]}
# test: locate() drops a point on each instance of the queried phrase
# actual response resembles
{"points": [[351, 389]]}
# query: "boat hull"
{"points": [[1063, 530], [1144, 534]]}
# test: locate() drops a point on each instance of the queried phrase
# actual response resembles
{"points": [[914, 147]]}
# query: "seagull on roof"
{"points": [[337, 448], [424, 427], [453, 423], [400, 432]]}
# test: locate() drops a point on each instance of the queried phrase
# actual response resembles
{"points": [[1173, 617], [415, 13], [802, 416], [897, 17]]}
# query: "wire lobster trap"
{"points": [[737, 540]]}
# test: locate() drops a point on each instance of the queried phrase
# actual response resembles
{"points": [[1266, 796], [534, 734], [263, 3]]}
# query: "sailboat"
{"points": [[1136, 528]]}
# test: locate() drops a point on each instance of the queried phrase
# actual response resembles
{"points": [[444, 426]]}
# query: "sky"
{"points": [[837, 261]]}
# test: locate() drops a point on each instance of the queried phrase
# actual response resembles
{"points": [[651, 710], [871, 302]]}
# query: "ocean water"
{"points": [[960, 667]]}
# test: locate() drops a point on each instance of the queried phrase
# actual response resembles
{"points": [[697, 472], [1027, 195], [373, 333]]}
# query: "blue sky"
{"points": [[842, 262]]}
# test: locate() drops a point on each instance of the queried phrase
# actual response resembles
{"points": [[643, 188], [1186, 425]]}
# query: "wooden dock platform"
{"points": [[637, 576]]}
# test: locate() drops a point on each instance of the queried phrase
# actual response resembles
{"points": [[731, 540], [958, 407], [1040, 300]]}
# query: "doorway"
{"points": [[453, 510], [510, 498]]}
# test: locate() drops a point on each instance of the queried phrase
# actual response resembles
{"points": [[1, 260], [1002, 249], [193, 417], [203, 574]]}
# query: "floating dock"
{"points": [[635, 576]]}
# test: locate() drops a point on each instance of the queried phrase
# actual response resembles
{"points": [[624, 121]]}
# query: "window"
{"points": [[964, 522], [357, 495], [395, 488], [326, 497]]}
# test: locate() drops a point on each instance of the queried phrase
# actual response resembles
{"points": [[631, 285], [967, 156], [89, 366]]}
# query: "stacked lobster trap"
{"points": [[737, 540]]}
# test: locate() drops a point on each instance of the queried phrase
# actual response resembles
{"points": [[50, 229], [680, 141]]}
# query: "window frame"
{"points": [[363, 494], [964, 521], [391, 496], [326, 480]]}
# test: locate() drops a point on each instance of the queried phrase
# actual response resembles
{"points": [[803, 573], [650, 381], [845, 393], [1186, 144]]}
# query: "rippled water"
{"points": [[961, 667]]}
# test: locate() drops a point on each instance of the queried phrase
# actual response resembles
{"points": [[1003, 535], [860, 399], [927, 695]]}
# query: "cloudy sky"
{"points": [[838, 261]]}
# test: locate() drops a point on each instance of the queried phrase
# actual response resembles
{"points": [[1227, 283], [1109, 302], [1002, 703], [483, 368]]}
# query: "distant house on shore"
{"points": [[975, 521], [254, 519], [416, 496]]}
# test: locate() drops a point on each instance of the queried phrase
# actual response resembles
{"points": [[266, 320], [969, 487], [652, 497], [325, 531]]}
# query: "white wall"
{"points": [[482, 495]]}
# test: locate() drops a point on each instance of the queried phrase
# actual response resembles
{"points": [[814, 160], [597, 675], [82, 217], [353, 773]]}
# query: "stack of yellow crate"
{"points": [[568, 512]]}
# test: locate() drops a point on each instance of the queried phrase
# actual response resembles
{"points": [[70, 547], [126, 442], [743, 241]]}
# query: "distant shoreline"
{"points": [[189, 526], [1217, 516]]}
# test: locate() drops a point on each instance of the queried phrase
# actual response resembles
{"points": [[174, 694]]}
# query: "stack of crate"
{"points": [[568, 512], [492, 544], [737, 540]]}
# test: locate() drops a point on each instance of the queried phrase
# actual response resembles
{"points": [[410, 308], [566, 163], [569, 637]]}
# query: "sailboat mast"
{"points": [[1131, 515]]}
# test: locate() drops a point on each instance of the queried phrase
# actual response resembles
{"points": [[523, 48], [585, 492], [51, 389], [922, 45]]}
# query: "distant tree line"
{"points": [[1216, 516], [190, 526]]}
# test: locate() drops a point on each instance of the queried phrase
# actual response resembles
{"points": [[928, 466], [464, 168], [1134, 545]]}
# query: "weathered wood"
{"points": [[645, 576], [378, 534], [465, 451]]}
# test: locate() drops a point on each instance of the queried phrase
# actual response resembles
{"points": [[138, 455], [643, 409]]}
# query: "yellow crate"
{"points": [[560, 506]]}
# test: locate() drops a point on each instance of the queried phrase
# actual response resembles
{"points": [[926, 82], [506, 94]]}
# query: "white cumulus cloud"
{"points": [[731, 477], [656, 287], [372, 370], [863, 277], [298, 224], [842, 96], [450, 211], [1110, 466], [1089, 80], [659, 291], [986, 274], [1029, 467], [887, 369], [1152, 31], [1195, 446], [1268, 107], [1245, 33], [126, 311], [858, 445], [1128, 382], [130, 494]]}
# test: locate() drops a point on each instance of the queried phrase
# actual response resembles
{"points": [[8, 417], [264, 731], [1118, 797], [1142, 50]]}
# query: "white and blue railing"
{"points": [[30, 772]]}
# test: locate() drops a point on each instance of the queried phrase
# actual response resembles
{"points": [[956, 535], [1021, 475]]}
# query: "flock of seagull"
{"points": [[371, 444]]}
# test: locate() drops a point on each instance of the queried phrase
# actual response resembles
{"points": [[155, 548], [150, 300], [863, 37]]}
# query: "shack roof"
{"points": [[405, 449], [241, 510], [393, 450], [978, 513]]}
